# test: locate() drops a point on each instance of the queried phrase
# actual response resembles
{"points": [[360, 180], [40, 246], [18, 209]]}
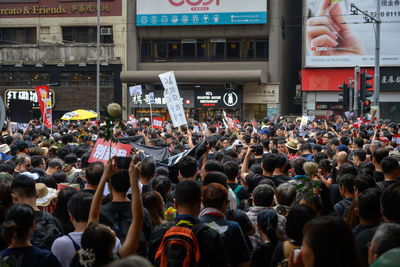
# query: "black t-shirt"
{"points": [[272, 179], [280, 179], [379, 176], [384, 184], [362, 241], [262, 255], [31, 257], [121, 209]]}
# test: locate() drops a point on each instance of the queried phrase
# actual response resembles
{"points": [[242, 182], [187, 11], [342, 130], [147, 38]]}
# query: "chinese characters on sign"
{"points": [[101, 151], [173, 99]]}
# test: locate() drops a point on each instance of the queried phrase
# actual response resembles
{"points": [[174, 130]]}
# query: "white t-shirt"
{"points": [[64, 250]]}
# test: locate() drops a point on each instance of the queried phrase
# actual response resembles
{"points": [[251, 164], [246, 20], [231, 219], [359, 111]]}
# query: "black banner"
{"points": [[218, 98]]}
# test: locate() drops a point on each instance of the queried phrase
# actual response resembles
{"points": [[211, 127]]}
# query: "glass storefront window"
{"points": [[23, 78], [204, 50], [262, 49], [233, 50], [86, 79], [189, 50], [174, 50]]}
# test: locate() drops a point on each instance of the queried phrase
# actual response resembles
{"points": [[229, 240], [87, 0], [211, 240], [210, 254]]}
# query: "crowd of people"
{"points": [[267, 193]]}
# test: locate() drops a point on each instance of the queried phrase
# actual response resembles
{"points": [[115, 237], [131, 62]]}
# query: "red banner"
{"points": [[101, 151], [328, 79], [157, 123], [45, 104]]}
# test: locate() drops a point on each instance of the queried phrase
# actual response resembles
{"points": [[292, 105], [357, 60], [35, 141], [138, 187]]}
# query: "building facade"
{"points": [[328, 61], [230, 56], [54, 42]]}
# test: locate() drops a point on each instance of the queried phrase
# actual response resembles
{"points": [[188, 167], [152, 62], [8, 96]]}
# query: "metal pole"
{"points": [[351, 94], [98, 63], [356, 73], [377, 57]]}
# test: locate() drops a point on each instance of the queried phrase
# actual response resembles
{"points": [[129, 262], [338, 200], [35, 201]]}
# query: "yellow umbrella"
{"points": [[79, 114]]}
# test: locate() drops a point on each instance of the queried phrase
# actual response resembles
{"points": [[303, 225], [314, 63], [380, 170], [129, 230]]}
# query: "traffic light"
{"points": [[364, 86], [345, 93], [367, 106]]}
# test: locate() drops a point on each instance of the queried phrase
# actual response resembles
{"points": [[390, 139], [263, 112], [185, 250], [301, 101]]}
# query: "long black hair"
{"points": [[18, 222]]}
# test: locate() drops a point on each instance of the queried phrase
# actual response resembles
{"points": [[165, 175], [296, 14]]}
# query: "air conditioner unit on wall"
{"points": [[106, 31]]}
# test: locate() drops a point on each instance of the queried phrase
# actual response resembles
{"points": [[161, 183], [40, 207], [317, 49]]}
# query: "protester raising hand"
{"points": [[329, 35]]}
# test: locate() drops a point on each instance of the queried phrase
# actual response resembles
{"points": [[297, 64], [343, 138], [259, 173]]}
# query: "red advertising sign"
{"points": [[328, 79], [157, 123], [101, 151], [45, 104]]}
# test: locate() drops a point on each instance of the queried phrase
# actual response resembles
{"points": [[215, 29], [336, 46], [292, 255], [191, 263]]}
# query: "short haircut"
{"points": [[320, 156], [20, 160], [305, 147], [24, 186], [214, 195], [347, 181], [188, 167], [325, 165], [368, 204], [263, 195], [231, 169], [36, 161], [379, 154], [215, 177], [79, 206], [345, 140], [120, 181], [389, 164], [360, 154], [285, 194], [390, 200], [148, 167], [359, 141], [269, 162], [297, 165], [188, 193], [7, 167], [281, 161], [386, 237], [363, 182], [297, 217], [56, 162], [94, 172]]}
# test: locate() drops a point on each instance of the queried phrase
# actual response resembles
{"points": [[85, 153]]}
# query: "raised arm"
{"points": [[109, 170], [131, 243]]}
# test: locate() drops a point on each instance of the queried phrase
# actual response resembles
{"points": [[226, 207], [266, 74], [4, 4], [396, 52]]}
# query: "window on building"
{"points": [[16, 36], [217, 50], [146, 51], [233, 50], [86, 79], [204, 50], [262, 49], [160, 50], [87, 34], [23, 78], [189, 49], [174, 50]]}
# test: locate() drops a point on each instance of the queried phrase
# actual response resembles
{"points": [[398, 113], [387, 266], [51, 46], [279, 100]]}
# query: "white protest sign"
{"points": [[173, 99], [135, 90]]}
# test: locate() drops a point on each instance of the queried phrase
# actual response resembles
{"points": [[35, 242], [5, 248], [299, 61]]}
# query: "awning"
{"points": [[197, 76]]}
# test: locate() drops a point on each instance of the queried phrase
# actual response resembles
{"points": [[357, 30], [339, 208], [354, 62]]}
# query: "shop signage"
{"points": [[26, 94], [59, 8], [219, 98], [261, 94], [200, 12], [390, 79], [143, 100]]}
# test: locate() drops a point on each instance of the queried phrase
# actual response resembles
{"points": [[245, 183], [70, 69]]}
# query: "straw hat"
{"points": [[292, 144], [45, 194]]}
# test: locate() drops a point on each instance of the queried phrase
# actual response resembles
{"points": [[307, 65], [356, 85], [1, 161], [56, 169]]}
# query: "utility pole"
{"points": [[356, 100], [351, 94], [98, 63], [368, 18], [377, 81]]}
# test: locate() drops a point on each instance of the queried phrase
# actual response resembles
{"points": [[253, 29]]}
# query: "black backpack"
{"points": [[120, 223], [46, 231], [75, 258], [180, 247]]}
